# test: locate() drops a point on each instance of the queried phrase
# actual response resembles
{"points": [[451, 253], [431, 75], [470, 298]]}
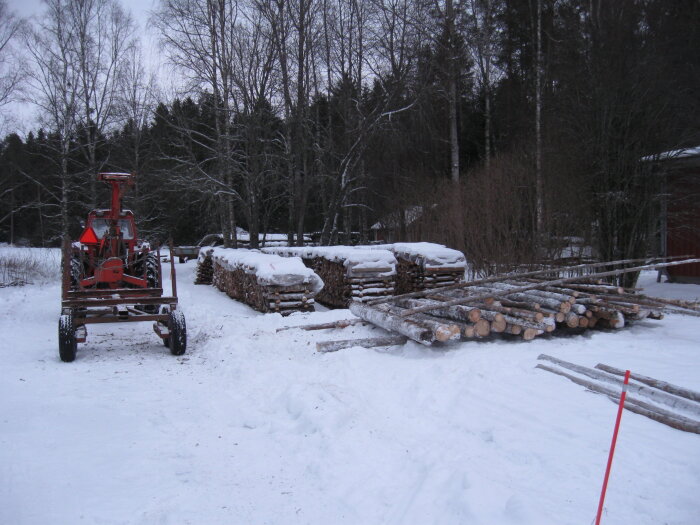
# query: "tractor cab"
{"points": [[110, 254], [113, 229], [102, 225]]}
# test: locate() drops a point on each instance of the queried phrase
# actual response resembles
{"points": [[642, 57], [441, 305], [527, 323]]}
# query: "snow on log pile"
{"points": [[524, 305], [266, 282], [348, 273], [205, 267], [425, 265]]}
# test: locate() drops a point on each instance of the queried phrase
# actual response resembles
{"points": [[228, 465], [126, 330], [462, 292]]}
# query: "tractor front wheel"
{"points": [[67, 343], [177, 340]]}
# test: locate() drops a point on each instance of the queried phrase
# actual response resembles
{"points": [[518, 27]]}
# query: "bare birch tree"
{"points": [[104, 38], [375, 40], [11, 72], [198, 37], [539, 79], [137, 100], [294, 30], [54, 84], [481, 34]]}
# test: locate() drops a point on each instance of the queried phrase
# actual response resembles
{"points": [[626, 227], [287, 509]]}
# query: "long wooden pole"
{"points": [[656, 383], [503, 277], [667, 417], [372, 342], [481, 297]]}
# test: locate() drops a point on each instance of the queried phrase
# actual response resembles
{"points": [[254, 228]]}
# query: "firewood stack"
{"points": [[205, 267], [424, 265], [348, 273], [524, 305], [265, 282]]}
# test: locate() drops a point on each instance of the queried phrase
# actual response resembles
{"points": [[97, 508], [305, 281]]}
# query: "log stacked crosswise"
{"points": [[348, 273], [423, 266]]}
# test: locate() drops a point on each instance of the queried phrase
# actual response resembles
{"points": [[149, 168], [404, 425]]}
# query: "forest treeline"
{"points": [[508, 124]]}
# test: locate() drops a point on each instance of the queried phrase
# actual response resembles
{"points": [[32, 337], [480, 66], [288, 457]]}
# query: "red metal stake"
{"points": [[612, 446]]}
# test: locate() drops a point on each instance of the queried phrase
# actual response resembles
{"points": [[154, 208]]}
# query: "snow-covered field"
{"points": [[253, 426]]}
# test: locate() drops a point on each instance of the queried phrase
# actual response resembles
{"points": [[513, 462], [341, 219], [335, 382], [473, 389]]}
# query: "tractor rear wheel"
{"points": [[177, 340], [152, 270], [77, 270], [67, 343]]}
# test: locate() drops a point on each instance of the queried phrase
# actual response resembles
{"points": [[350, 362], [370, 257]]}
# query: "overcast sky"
{"points": [[139, 8], [24, 114]]}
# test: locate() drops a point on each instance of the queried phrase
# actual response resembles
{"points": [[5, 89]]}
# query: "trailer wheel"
{"points": [[67, 344], [177, 340]]}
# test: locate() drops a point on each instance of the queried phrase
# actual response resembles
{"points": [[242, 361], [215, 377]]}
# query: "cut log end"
{"points": [[529, 334], [514, 329], [498, 325], [474, 315], [482, 328]]}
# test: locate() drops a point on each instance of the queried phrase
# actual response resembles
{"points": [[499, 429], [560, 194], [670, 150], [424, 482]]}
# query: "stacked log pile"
{"points": [[205, 267], [265, 282], [524, 305], [424, 265], [348, 273]]}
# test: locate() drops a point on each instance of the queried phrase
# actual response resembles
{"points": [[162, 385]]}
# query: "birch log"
{"points": [[654, 394], [458, 313], [633, 405], [372, 342], [656, 383], [408, 327]]}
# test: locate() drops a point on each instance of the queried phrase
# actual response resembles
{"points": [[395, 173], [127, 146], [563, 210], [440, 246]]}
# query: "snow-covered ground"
{"points": [[253, 426]]}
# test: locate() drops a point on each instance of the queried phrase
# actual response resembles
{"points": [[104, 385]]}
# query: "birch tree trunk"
{"points": [[452, 90], [539, 180]]}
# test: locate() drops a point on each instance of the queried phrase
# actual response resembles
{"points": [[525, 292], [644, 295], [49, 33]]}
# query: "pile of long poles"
{"points": [[525, 305], [661, 401]]}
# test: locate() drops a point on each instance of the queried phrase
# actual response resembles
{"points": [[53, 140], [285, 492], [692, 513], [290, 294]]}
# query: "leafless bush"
{"points": [[20, 266], [489, 216]]}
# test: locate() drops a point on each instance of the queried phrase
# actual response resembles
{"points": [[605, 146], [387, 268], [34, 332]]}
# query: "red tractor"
{"points": [[111, 276]]}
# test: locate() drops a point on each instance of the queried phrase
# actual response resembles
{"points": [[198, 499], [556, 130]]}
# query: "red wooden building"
{"points": [[680, 210]]}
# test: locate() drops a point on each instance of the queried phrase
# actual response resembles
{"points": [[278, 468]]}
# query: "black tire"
{"points": [[76, 270], [182, 260], [177, 340], [152, 278], [152, 270], [67, 344]]}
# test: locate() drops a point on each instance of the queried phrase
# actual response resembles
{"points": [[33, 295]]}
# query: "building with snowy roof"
{"points": [[680, 209]]}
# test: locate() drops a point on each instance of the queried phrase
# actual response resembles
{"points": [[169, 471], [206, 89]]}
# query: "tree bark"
{"points": [[633, 405], [371, 342], [411, 329], [656, 383]]}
